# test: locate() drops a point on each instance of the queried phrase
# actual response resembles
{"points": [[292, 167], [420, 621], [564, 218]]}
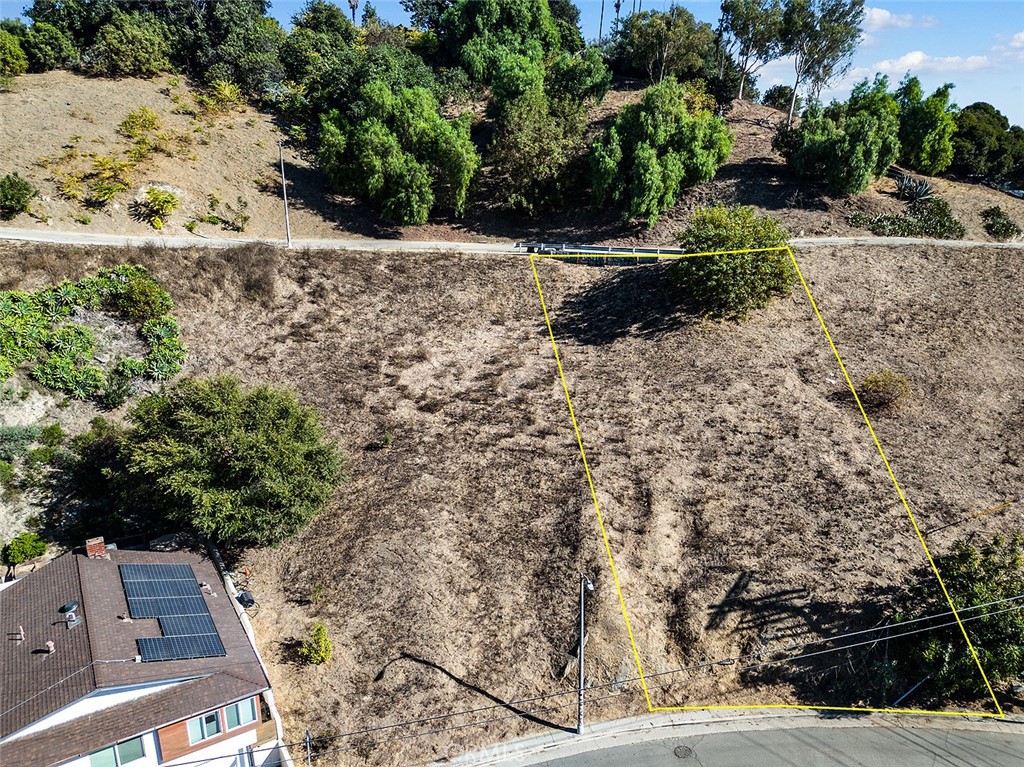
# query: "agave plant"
{"points": [[911, 189]]}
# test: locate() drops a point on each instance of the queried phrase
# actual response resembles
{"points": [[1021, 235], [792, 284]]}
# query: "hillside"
{"points": [[447, 567], [58, 123]]}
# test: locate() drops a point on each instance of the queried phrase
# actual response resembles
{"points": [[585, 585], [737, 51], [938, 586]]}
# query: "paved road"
{"points": [[815, 747], [93, 238]]}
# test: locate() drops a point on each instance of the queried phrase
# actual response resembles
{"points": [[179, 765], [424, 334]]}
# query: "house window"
{"points": [[124, 753], [243, 712], [203, 728]]}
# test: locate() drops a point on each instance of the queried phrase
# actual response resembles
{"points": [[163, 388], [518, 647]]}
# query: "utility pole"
{"points": [[309, 748], [284, 191], [585, 586], [600, 24]]}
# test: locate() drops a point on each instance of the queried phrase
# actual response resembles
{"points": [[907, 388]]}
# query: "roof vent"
{"points": [[70, 607]]}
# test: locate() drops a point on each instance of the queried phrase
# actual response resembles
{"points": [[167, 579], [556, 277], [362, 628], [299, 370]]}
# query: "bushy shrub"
{"points": [[242, 466], [930, 217], [6, 474], [13, 61], [846, 145], [142, 299], [926, 127], [52, 435], [654, 149], [779, 97], [884, 389], [999, 224], [727, 284], [15, 441], [402, 155], [138, 123], [972, 576], [158, 204], [48, 48], [317, 649], [15, 193], [130, 45], [24, 547]]}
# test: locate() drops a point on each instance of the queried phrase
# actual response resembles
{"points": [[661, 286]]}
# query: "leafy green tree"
{"points": [[728, 284], [780, 97], [821, 36], [48, 48], [80, 20], [13, 61], [130, 45], [427, 14], [972, 577], [752, 33], [250, 56], [243, 466], [985, 145], [485, 32], [567, 19], [24, 547], [399, 152], [654, 149], [661, 44], [927, 126], [15, 193], [846, 145]]}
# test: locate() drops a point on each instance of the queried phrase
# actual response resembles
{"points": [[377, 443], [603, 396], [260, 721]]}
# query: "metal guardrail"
{"points": [[599, 255]]}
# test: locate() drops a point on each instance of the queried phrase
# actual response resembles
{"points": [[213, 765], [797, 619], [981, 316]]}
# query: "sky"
{"points": [[977, 44]]}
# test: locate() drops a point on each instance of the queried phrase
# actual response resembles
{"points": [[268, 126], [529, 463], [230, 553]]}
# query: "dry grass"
{"points": [[724, 456]]}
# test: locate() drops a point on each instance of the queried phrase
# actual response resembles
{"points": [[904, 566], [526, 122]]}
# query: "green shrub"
{"points": [[143, 299], [39, 456], [656, 148], [971, 577], [846, 145], [884, 389], [131, 368], [6, 474], [15, 193], [243, 466], [931, 217], [118, 390], [130, 45], [317, 649], [779, 97], [24, 547], [52, 435], [221, 96], [999, 224], [48, 48], [13, 61], [732, 284], [140, 122], [158, 205], [926, 127], [15, 440]]}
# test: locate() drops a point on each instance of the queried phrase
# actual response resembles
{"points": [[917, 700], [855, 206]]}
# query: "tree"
{"points": [[80, 20], [250, 56], [985, 145], [131, 45], [846, 145], [725, 284], [821, 36], [427, 14], [927, 126], [780, 97], [398, 152], [243, 466], [567, 20], [752, 32], [655, 148], [24, 547], [48, 48], [661, 44], [972, 577], [484, 32], [13, 61]]}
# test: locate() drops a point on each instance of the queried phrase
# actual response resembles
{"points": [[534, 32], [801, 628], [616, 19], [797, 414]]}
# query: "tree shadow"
{"points": [[526, 715], [767, 184], [634, 301]]}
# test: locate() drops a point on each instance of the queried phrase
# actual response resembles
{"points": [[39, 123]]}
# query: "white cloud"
{"points": [[929, 21], [877, 19], [868, 41], [1017, 41], [919, 61]]}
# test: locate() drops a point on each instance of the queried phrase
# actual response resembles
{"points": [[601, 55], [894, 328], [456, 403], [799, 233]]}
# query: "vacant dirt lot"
{"points": [[725, 455]]}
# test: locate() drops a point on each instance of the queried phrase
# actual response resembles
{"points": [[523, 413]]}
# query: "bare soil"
{"points": [[236, 155], [745, 503]]}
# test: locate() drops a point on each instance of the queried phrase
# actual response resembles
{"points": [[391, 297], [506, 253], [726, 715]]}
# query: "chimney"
{"points": [[95, 548]]}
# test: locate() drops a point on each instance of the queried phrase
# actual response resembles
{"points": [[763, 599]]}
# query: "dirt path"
{"points": [[379, 246]]}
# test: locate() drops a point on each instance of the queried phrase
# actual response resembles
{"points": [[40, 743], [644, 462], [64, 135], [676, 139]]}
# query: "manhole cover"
{"points": [[683, 752]]}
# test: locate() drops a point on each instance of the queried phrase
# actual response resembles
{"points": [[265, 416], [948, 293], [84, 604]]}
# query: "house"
{"points": [[121, 658]]}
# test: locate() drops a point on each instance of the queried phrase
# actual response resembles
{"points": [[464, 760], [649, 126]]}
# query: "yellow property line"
{"points": [[874, 437]]}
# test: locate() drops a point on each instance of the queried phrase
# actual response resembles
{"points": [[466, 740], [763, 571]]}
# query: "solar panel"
{"points": [[170, 593]]}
